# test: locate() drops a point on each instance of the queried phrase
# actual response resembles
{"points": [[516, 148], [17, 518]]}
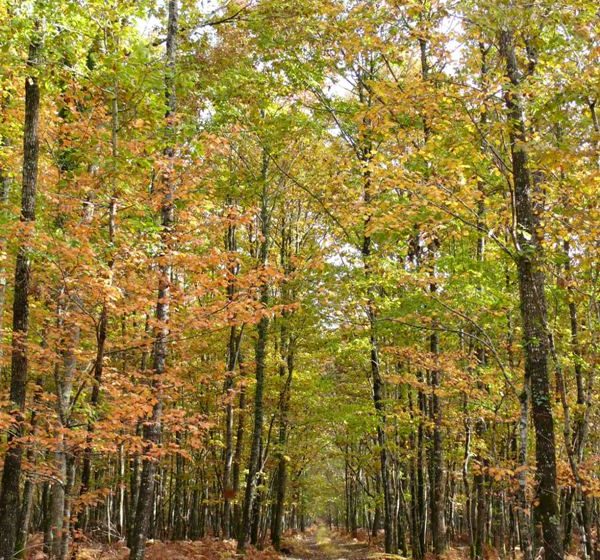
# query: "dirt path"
{"points": [[322, 544]]}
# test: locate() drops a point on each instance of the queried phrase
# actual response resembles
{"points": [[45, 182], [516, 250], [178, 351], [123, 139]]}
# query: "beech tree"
{"points": [[11, 473]]}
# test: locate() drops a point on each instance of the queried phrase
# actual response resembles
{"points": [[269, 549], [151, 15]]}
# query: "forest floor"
{"points": [[320, 543], [317, 543]]}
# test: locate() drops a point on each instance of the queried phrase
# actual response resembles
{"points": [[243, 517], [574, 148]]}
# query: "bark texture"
{"points": [[11, 474], [261, 353], [533, 307], [153, 426]]}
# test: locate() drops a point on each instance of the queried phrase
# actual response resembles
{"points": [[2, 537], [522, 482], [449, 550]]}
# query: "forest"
{"points": [[310, 279]]}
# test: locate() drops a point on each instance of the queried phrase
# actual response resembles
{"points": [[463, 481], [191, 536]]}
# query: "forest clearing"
{"points": [[306, 279]]}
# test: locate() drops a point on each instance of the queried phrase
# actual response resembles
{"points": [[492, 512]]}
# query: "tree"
{"points": [[533, 307], [11, 473], [166, 189]]}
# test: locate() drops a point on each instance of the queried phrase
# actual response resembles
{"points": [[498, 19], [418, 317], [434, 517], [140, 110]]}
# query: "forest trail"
{"points": [[320, 543]]}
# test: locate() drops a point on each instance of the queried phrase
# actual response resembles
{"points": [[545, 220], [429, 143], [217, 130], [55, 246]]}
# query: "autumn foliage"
{"points": [[273, 264]]}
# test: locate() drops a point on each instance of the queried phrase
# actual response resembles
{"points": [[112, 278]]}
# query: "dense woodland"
{"points": [[271, 263]]}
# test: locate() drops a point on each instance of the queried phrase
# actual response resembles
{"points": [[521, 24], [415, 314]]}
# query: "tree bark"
{"points": [[438, 494], [153, 426], [533, 308], [365, 155], [11, 474], [5, 184], [286, 372], [261, 347], [29, 486], [239, 448], [233, 350]]}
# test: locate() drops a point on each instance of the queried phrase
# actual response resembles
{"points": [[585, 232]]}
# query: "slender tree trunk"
{"points": [[437, 474], [415, 504], [46, 517], [25, 518], [576, 440], [261, 347], [285, 373], [11, 474], [237, 457], [480, 505], [153, 427], [5, 184], [57, 500], [258, 499], [233, 350], [421, 465], [61, 489], [29, 487], [438, 494], [378, 389], [375, 366], [67, 507], [533, 310]]}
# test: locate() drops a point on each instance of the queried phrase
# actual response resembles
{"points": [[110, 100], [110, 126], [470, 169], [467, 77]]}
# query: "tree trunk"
{"points": [[375, 369], [233, 350], [57, 500], [153, 427], [29, 487], [533, 309], [261, 347], [237, 457], [61, 489], [438, 494], [11, 474], [5, 184], [258, 500], [480, 507], [420, 504], [285, 372]]}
